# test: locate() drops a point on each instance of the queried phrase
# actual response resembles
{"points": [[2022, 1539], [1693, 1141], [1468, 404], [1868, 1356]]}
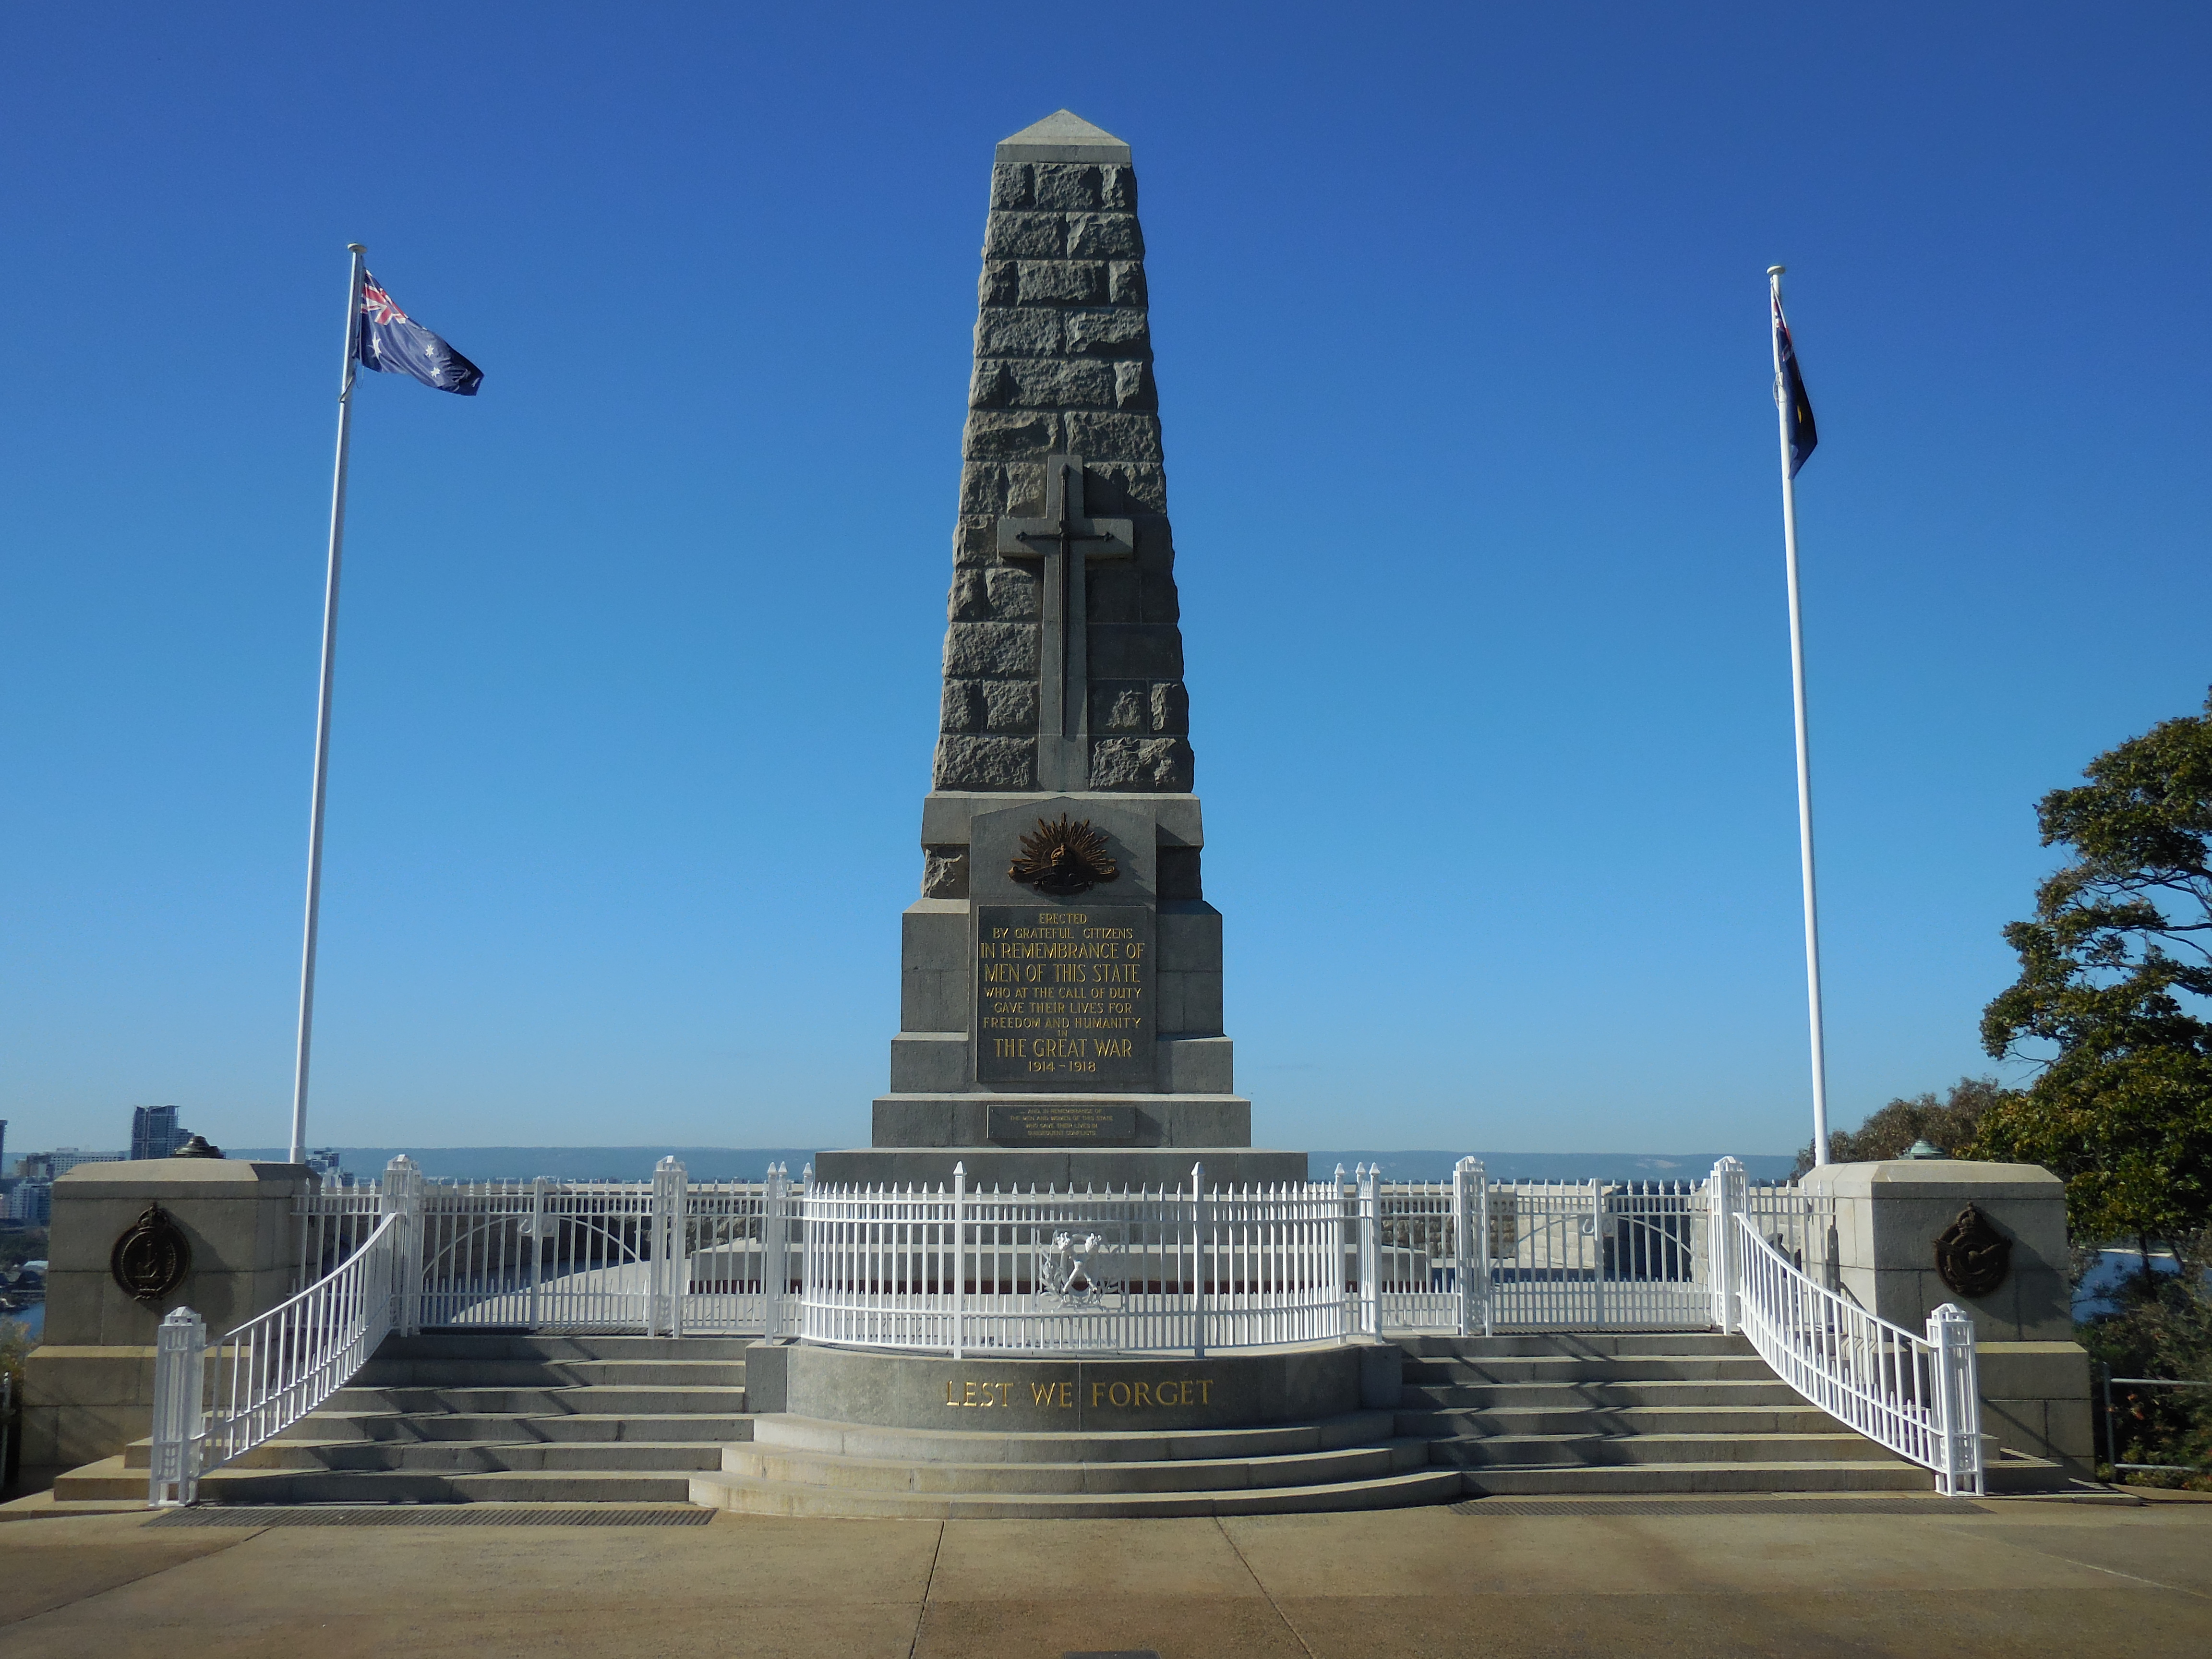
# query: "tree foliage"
{"points": [[1950, 1125], [2115, 975]]}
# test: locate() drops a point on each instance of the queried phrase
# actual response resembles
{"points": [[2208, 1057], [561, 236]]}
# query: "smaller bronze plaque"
{"points": [[1971, 1255], [152, 1256], [1048, 1123]]}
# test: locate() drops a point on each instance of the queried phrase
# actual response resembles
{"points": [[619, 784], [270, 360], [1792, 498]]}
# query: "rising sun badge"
{"points": [[1063, 857]]}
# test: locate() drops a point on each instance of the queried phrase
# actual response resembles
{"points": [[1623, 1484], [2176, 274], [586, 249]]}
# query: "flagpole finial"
{"points": [[1776, 271], [357, 247]]}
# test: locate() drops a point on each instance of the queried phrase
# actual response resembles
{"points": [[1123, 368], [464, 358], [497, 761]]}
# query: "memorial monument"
{"points": [[1060, 973]]}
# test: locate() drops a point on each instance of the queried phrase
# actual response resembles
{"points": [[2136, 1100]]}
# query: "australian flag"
{"points": [[1796, 407], [388, 341]]}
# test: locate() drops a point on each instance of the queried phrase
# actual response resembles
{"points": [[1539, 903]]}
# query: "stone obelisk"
{"points": [[1061, 981]]}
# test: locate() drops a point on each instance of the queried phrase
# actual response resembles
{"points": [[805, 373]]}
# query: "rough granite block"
{"points": [[1103, 236], [1061, 281], [1026, 236], [1067, 186], [1018, 332], [991, 650], [1114, 437], [974, 763], [1121, 332]]}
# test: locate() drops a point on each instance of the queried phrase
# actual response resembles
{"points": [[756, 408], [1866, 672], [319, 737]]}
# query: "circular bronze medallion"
{"points": [[1972, 1256], [152, 1256]]}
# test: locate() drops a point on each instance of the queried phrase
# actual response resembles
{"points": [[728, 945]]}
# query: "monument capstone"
{"points": [[1060, 973]]}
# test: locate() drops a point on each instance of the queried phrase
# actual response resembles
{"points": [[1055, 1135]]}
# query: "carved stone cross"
{"points": [[1066, 542]]}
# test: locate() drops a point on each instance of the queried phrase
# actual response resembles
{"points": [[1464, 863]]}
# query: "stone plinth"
{"points": [[88, 1388], [2035, 1377]]}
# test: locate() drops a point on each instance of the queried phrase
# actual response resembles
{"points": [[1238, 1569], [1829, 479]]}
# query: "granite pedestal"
{"points": [[88, 1388], [2035, 1377]]}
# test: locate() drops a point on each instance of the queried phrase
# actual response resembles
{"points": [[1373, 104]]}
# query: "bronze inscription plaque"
{"points": [[1064, 996], [1077, 1124]]}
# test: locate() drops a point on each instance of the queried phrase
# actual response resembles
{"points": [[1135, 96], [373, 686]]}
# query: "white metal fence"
{"points": [[1189, 1269], [1920, 1397]]}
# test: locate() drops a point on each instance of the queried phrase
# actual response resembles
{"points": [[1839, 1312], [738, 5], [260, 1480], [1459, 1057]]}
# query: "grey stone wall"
{"points": [[1063, 363]]}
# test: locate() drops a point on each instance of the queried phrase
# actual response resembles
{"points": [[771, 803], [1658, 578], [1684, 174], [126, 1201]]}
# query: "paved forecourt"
{"points": [[1898, 1576]]}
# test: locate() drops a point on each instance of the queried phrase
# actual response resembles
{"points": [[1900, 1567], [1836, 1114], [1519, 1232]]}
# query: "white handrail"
{"points": [[1916, 1396], [270, 1372]]}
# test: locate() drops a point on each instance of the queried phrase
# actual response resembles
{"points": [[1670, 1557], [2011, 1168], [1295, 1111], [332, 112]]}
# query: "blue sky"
{"points": [[1461, 321]]}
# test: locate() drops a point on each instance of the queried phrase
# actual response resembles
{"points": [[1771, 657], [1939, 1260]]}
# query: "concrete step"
{"points": [[233, 1486], [1315, 1469], [750, 1496], [1793, 1418], [446, 1371], [600, 1399], [561, 1426], [1595, 1344], [1740, 1393], [1863, 1475], [520, 1344], [483, 1457], [602, 1436], [791, 1434], [1588, 1368], [1548, 1450]]}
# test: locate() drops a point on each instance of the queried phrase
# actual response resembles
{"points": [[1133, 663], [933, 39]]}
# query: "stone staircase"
{"points": [[448, 1418], [1606, 1412], [626, 1419], [801, 1465]]}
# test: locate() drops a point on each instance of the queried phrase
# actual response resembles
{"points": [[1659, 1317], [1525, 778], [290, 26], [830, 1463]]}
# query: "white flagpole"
{"points": [[299, 1153], [1804, 745]]}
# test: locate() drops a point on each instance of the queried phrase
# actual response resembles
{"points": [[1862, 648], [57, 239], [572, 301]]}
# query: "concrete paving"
{"points": [[2019, 1578]]}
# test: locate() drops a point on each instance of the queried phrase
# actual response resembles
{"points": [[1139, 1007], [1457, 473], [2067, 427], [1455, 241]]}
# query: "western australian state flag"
{"points": [[386, 341], [1790, 390]]}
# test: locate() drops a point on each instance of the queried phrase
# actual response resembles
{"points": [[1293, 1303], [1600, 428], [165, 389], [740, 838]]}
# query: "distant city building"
{"points": [[324, 1161], [155, 1131], [3, 1144], [63, 1159], [32, 1202]]}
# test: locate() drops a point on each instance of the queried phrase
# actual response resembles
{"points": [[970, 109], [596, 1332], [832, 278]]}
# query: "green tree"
{"points": [[2115, 971], [1949, 1125]]}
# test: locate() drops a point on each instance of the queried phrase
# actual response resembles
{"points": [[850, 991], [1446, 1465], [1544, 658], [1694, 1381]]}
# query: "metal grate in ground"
{"points": [[429, 1515], [1718, 1506]]}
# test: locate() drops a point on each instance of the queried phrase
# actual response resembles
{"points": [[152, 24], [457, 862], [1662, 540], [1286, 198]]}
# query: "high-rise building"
{"points": [[60, 1161], [155, 1131], [31, 1201], [3, 1145]]}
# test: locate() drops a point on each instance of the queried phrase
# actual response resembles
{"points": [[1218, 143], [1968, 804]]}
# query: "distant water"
{"points": [[34, 1316], [738, 1164]]}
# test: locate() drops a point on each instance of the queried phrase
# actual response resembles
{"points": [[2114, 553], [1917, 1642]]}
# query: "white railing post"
{"points": [[668, 1273], [959, 1257], [1470, 1248], [1370, 1265], [1957, 1402], [776, 1273], [402, 1197], [1725, 1196], [537, 1246], [1597, 1251], [1198, 1260], [172, 1472]]}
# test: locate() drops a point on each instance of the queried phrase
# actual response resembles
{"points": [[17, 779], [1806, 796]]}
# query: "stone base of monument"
{"points": [[842, 1432], [1066, 1168]]}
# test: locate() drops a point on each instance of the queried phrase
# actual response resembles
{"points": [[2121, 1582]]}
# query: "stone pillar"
{"points": [[2035, 1377], [88, 1388]]}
